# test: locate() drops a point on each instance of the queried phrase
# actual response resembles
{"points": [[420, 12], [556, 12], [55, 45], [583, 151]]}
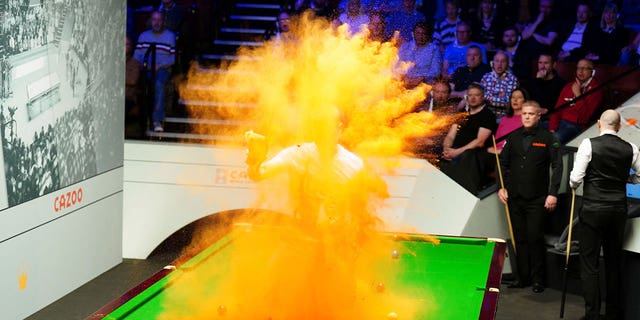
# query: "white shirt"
{"points": [[583, 157]]}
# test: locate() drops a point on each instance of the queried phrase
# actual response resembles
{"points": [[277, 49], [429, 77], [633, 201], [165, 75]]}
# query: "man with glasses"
{"points": [[574, 116]]}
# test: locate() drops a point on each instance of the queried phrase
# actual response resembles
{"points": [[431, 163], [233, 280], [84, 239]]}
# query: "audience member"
{"points": [[445, 30], [510, 43], [282, 32], [498, 84], [630, 54], [540, 35], [165, 43], [528, 155], [403, 20], [174, 16], [512, 120], [471, 73], [567, 122], [132, 82], [580, 41], [320, 8], [423, 54], [377, 27], [546, 86], [455, 54], [487, 25], [604, 163], [353, 17], [611, 37], [438, 101], [465, 159]]}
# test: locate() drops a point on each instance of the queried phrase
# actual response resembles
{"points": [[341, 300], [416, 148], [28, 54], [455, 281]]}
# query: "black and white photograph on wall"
{"points": [[61, 67]]}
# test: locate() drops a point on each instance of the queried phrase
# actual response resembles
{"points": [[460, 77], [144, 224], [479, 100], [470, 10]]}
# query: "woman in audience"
{"points": [[611, 37], [512, 120]]}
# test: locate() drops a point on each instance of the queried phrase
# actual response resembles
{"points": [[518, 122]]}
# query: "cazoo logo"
{"points": [[231, 176], [67, 200]]}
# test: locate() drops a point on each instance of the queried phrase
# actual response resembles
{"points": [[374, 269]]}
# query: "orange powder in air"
{"points": [[325, 87]]}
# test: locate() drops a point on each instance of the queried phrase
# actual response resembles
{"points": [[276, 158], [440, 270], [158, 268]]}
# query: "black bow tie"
{"points": [[526, 133]]}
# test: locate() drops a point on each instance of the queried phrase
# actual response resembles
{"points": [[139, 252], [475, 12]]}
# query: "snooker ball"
{"points": [[222, 310], [392, 316], [395, 254], [380, 287]]}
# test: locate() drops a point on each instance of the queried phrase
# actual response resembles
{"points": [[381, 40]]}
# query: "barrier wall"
{"points": [[61, 120]]}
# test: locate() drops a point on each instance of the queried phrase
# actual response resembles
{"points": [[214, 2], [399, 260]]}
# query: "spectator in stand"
{"points": [[465, 159], [630, 54], [320, 8], [445, 30], [424, 56], [455, 54], [471, 73], [512, 119], [511, 41], [282, 33], [580, 41], [487, 25], [165, 51], [403, 20], [611, 38], [132, 84], [567, 122], [539, 36], [377, 27], [498, 84], [438, 101], [353, 17], [546, 86], [174, 16]]}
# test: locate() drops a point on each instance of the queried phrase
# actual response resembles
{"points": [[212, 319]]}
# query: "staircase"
{"points": [[246, 25]]}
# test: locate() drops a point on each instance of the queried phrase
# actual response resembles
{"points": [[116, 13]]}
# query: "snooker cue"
{"points": [[566, 263], [506, 207]]}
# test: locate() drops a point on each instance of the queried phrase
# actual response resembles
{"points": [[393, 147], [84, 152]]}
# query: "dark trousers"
{"points": [[602, 224], [527, 220]]}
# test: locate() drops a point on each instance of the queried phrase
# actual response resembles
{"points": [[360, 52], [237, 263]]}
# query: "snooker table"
{"points": [[412, 276]]}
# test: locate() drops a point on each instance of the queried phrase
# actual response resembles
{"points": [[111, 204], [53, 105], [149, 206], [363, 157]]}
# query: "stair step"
{"points": [[258, 6], [206, 103], [218, 88], [253, 18], [218, 122], [193, 136], [243, 30], [238, 43], [223, 71], [228, 57]]}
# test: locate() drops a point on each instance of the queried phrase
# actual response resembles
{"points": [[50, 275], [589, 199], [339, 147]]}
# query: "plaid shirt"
{"points": [[494, 86]]}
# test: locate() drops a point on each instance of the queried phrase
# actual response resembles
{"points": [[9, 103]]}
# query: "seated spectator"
{"points": [[569, 121], [282, 33], [498, 84], [424, 56], [546, 86], [610, 39], [487, 25], [518, 60], [403, 20], [353, 17], [164, 42], [132, 83], [174, 16], [540, 35], [471, 73], [630, 54], [320, 8], [377, 28], [465, 159], [445, 30], [512, 119], [580, 41], [440, 102], [455, 54]]}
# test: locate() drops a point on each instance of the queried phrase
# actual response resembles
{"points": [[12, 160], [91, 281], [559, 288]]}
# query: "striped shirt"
{"points": [[165, 48], [444, 33]]}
